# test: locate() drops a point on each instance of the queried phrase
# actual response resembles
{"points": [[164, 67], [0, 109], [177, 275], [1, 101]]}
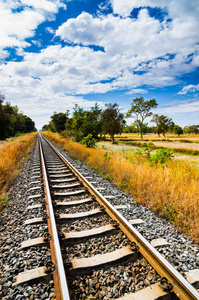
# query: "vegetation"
{"points": [[13, 122], [112, 120], [84, 122], [178, 147], [191, 129], [140, 110], [80, 125], [163, 123], [58, 121], [89, 141], [168, 187], [12, 155], [161, 156], [151, 175], [178, 130]]}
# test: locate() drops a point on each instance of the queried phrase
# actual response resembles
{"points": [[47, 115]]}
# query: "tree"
{"points": [[112, 120], [59, 121], [2, 117], [163, 123], [94, 118], [2, 98], [191, 129], [12, 121], [84, 122], [29, 125], [78, 112], [178, 130], [140, 110], [136, 126], [45, 127]]}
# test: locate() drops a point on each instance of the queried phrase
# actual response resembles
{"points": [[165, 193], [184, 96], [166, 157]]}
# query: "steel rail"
{"points": [[61, 286], [181, 287]]}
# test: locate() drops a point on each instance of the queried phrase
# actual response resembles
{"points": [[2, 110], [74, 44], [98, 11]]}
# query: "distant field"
{"points": [[184, 147], [153, 137]]}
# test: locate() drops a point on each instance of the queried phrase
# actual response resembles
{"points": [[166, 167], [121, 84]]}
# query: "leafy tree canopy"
{"points": [[178, 130], [191, 129], [112, 120], [140, 110], [12, 121], [58, 121], [163, 123]]}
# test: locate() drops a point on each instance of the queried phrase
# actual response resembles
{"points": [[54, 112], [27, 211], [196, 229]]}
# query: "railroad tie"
{"points": [[103, 259]]}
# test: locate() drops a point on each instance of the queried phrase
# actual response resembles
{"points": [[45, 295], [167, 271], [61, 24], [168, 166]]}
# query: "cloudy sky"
{"points": [[55, 53]]}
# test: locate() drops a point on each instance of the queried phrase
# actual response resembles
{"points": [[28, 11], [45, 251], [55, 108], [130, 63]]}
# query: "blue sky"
{"points": [[54, 54]]}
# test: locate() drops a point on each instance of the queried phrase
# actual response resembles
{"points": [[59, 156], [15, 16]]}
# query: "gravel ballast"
{"points": [[182, 253]]}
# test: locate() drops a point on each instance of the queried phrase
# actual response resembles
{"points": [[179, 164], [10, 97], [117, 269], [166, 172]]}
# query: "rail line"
{"points": [[71, 203]]}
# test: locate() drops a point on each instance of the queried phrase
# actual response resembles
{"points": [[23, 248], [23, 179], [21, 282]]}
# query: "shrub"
{"points": [[89, 141], [161, 156]]}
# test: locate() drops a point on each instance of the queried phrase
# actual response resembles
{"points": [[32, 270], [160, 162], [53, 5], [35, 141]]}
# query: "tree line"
{"points": [[98, 122], [95, 121], [13, 122]]}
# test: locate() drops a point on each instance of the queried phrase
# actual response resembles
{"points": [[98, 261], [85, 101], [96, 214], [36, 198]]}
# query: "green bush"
{"points": [[161, 156], [89, 141], [145, 150]]}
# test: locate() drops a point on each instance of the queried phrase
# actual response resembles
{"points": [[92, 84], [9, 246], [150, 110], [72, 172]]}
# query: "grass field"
{"points": [[170, 189], [13, 153], [155, 137], [184, 147]]}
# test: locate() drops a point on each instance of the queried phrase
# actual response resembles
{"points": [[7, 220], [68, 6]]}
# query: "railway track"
{"points": [[95, 252]]}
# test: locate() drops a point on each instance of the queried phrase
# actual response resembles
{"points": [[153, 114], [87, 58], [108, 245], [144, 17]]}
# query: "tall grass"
{"points": [[171, 190], [11, 157]]}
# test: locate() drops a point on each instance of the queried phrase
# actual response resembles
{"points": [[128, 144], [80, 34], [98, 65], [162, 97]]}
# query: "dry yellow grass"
{"points": [[176, 144], [185, 144], [153, 137], [11, 156], [170, 190]]}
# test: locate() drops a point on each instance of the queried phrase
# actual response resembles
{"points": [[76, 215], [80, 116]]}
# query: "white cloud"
{"points": [[50, 30], [176, 9], [183, 107], [16, 26], [46, 85], [137, 52], [137, 91], [115, 35], [44, 5], [156, 51], [189, 88]]}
